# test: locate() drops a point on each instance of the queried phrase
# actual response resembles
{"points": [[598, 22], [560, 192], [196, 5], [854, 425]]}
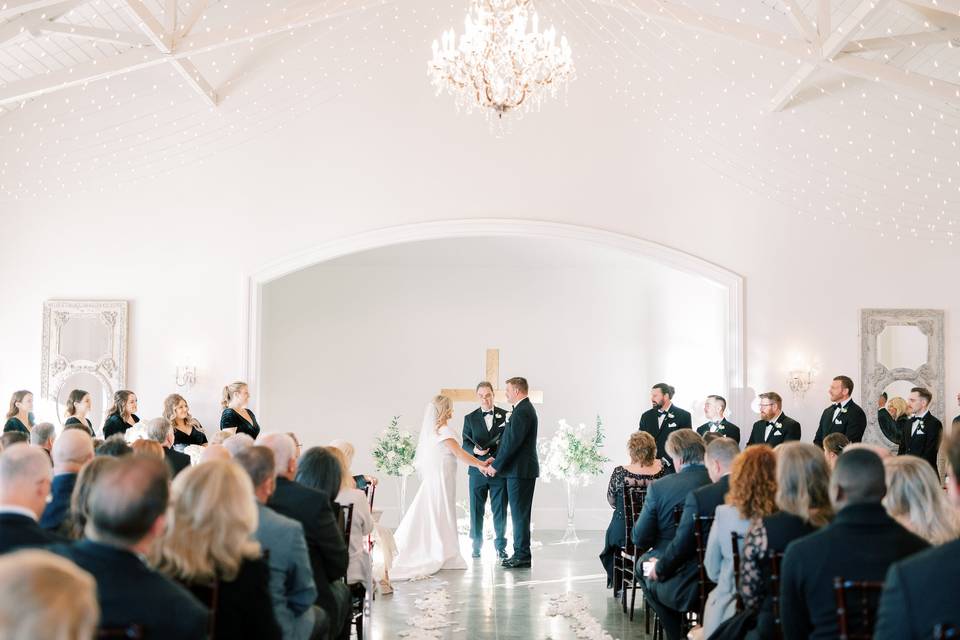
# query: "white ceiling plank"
{"points": [[10, 8], [90, 33], [950, 7], [196, 12], [916, 83], [823, 19], [801, 21], [903, 41]]}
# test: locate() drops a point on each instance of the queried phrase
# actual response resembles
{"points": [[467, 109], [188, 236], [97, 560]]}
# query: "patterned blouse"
{"points": [[753, 584], [621, 478]]}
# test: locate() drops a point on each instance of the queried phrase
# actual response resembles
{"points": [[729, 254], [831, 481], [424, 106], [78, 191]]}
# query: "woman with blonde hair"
{"points": [[186, 429], [45, 596], [78, 405], [235, 414], [20, 413], [208, 547], [892, 417], [427, 539], [916, 500], [122, 414], [359, 570]]}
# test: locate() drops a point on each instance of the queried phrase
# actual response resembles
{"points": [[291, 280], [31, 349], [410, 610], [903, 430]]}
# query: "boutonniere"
{"points": [[672, 425], [777, 427], [843, 409], [509, 414], [498, 415], [670, 415]]}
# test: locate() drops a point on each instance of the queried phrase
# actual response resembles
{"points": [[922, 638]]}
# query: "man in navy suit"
{"points": [[663, 419], [25, 479], [843, 415], [517, 462], [482, 430]]}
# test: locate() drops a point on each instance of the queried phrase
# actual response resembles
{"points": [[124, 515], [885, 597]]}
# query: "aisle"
{"points": [[489, 603]]}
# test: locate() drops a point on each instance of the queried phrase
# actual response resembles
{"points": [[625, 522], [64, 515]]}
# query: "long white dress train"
{"points": [[427, 539]]}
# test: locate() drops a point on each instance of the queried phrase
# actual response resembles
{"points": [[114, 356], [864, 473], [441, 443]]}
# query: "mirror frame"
{"points": [[875, 376], [110, 368]]}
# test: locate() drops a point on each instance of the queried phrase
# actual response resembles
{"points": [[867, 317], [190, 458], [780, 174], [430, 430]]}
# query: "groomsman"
{"points": [[713, 410], [922, 432], [663, 419], [843, 416], [482, 429], [773, 427]]}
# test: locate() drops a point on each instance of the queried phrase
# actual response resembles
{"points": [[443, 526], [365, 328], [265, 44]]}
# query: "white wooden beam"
{"points": [[171, 15], [800, 21], [24, 22], [903, 41], [89, 33], [823, 19], [196, 12], [10, 8], [950, 7], [196, 81], [150, 26]]}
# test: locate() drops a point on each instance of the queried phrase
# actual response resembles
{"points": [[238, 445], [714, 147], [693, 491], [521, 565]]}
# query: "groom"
{"points": [[482, 430], [517, 463]]}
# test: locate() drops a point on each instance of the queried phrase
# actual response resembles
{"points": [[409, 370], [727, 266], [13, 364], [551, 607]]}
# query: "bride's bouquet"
{"points": [[573, 454], [394, 450]]}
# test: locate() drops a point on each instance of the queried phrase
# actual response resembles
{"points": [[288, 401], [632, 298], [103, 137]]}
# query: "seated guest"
{"points": [[78, 406], [314, 510], [122, 413], [843, 415], [860, 544], [73, 527], [916, 500], [655, 527], [833, 445], [186, 429], [127, 505], [215, 452], [922, 431], [237, 443], [11, 438], [359, 569], [72, 450], [20, 416], [774, 427], [362, 480], [663, 419], [208, 547], [803, 499], [292, 589], [45, 596], [144, 447], [713, 410], [159, 430], [114, 447], [235, 414], [25, 478], [921, 591], [891, 418], [643, 469], [752, 496], [43, 436]]}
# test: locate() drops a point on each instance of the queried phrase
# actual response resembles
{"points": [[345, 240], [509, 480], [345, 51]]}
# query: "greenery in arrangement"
{"points": [[573, 453], [393, 451]]}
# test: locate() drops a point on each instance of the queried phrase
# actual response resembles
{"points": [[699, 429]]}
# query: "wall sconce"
{"points": [[186, 376], [799, 380]]}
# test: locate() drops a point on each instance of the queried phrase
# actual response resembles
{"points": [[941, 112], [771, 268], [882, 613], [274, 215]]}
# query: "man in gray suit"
{"points": [[291, 578]]}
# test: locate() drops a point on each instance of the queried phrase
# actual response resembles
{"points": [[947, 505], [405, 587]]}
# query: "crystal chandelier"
{"points": [[499, 65]]}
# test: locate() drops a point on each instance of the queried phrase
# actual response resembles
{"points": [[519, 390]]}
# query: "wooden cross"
{"points": [[492, 375]]}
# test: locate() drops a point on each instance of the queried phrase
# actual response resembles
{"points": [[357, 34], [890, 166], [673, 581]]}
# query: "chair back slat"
{"points": [[866, 597], [735, 555], [701, 530], [775, 558], [633, 499]]}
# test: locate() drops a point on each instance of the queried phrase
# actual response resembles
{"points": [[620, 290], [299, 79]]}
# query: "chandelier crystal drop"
{"points": [[502, 62]]}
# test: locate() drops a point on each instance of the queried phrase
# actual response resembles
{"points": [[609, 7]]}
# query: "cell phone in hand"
{"points": [[648, 567]]}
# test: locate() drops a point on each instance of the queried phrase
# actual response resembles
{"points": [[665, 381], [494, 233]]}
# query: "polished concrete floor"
{"points": [[487, 602]]}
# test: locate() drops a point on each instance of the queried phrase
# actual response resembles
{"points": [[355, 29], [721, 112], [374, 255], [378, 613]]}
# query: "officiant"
{"points": [[482, 430]]}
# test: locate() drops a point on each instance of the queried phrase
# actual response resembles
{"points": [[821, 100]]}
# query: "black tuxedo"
{"points": [[177, 460], [923, 445], [727, 429], [851, 422], [129, 592], [919, 593], [649, 422], [517, 462], [789, 430], [860, 544], [18, 531], [475, 433]]}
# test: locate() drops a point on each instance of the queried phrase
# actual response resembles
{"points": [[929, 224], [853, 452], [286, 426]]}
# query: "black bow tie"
{"points": [[486, 413], [661, 412], [772, 424], [839, 405]]}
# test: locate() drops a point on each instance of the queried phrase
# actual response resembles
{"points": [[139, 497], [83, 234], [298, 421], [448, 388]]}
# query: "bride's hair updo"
{"points": [[444, 409]]}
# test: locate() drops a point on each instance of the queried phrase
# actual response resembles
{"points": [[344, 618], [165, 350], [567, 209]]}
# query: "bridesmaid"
{"points": [[235, 413], [78, 406], [20, 415], [186, 428], [122, 414]]}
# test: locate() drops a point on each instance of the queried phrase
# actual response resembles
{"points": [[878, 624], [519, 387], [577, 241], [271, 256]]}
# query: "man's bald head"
{"points": [[214, 452], [284, 452], [72, 450], [858, 478], [25, 477], [127, 500]]}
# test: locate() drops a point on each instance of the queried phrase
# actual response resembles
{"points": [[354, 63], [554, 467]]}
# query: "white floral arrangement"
{"points": [[394, 450], [195, 451], [573, 454], [134, 433]]}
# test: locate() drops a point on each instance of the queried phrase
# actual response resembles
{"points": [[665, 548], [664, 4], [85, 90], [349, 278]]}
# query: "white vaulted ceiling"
{"points": [[846, 112]]}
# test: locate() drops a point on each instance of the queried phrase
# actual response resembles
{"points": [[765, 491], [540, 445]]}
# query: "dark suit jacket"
{"points": [[517, 455], [683, 548], [177, 460], [58, 508], [860, 544], [649, 423], [727, 429], [475, 428], [892, 429], [23, 531], [244, 607], [130, 592], [919, 593], [328, 552], [789, 430], [655, 527], [851, 422], [923, 445]]}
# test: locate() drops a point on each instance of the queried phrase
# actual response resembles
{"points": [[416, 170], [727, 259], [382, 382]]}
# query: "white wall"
{"points": [[357, 340]]}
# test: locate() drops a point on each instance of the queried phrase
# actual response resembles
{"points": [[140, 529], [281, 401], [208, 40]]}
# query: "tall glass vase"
{"points": [[402, 488], [570, 535]]}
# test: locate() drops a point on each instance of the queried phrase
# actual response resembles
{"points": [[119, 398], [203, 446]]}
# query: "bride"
{"points": [[427, 538]]}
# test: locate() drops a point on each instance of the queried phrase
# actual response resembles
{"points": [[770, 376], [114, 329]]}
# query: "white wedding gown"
{"points": [[427, 539]]}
